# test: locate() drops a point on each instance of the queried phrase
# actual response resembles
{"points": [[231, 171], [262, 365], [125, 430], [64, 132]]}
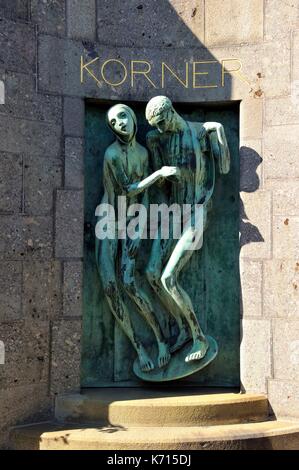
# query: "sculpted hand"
{"points": [[133, 247], [167, 171]]}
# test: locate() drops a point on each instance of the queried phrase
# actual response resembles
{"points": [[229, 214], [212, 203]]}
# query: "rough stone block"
{"points": [[66, 356], [295, 57], [74, 163], [148, 20], [69, 224], [81, 19], [49, 16], [11, 169], [26, 353], [25, 237], [250, 165], [34, 138], [41, 177], [276, 72], [285, 194], [42, 284], [255, 355], [285, 237], [281, 152], [72, 289], [280, 18], [10, 291], [15, 9], [251, 285], [282, 110], [73, 116], [233, 21], [281, 288], [17, 46], [251, 118], [23, 404], [255, 224], [286, 349], [284, 398], [23, 102]]}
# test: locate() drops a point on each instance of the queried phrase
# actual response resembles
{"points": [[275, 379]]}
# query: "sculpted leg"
{"points": [[116, 303], [178, 259], [153, 274], [145, 307]]}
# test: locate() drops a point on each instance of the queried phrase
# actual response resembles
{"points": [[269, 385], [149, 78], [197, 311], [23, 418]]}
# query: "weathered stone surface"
{"points": [[276, 72], [281, 288], [285, 237], [81, 19], [284, 397], [149, 20], [255, 354], [66, 355], [282, 110], [280, 18], [17, 46], [26, 353], [295, 58], [251, 118], [233, 22], [15, 9], [285, 194], [255, 224], [41, 177], [23, 404], [250, 165], [74, 163], [35, 138], [72, 288], [23, 101], [10, 291], [286, 349], [251, 288], [25, 237], [281, 151], [42, 289], [11, 169], [73, 117], [69, 224], [49, 16]]}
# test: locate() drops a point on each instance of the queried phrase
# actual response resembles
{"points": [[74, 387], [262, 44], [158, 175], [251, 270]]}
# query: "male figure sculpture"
{"points": [[193, 147], [126, 174]]}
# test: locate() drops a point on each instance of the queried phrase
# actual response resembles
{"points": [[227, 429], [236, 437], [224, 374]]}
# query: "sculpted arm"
{"points": [[219, 145]]}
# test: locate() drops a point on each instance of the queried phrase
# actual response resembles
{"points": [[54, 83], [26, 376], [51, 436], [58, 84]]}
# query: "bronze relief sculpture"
{"points": [[183, 156]]}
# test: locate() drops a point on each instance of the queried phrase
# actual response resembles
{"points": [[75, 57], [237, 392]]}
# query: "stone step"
{"points": [[138, 407], [274, 435]]}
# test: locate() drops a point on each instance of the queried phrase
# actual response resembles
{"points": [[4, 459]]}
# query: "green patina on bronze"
{"points": [[210, 275]]}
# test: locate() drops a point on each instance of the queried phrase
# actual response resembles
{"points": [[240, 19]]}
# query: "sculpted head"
{"points": [[122, 121], [160, 113]]}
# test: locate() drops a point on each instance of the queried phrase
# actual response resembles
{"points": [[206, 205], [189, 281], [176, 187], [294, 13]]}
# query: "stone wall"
{"points": [[41, 175]]}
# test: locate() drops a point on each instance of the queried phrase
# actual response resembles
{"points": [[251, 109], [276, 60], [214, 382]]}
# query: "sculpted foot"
{"points": [[182, 339], [146, 364], [198, 351], [164, 354]]}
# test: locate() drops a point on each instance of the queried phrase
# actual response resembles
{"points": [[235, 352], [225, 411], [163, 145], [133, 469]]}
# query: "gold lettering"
{"points": [[85, 67], [107, 81], [237, 71], [185, 84], [141, 72], [195, 73]]}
